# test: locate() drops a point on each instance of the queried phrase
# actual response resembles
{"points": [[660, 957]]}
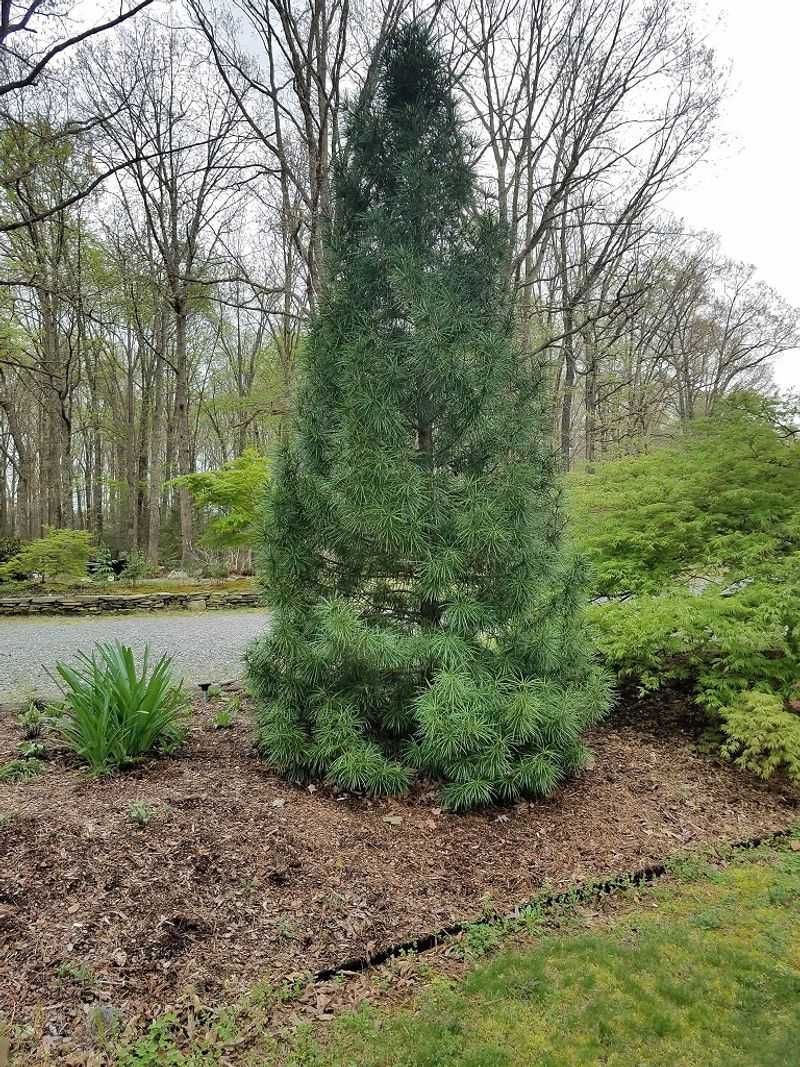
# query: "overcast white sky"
{"points": [[750, 195]]}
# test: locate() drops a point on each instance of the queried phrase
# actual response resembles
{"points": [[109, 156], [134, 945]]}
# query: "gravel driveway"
{"points": [[206, 646]]}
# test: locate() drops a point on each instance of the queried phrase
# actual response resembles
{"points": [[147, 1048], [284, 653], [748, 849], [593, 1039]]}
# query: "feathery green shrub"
{"points": [[230, 497], [762, 735], [114, 713], [426, 617], [60, 553], [715, 647], [720, 503], [721, 498]]}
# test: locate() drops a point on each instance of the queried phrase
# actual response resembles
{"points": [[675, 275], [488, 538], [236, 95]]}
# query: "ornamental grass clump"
{"points": [[115, 713], [426, 617]]}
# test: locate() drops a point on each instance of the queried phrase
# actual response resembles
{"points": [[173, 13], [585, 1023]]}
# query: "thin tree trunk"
{"points": [[157, 448], [182, 430]]}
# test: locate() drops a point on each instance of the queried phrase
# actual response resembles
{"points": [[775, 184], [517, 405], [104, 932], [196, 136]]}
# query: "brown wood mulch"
{"points": [[240, 878]]}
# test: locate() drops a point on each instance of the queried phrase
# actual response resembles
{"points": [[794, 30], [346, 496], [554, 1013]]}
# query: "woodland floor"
{"points": [[240, 878]]}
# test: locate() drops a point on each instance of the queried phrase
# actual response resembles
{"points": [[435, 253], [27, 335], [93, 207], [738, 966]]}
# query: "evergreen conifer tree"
{"points": [[426, 618]]}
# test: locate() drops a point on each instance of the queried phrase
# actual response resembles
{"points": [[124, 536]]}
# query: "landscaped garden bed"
{"points": [[201, 875]]}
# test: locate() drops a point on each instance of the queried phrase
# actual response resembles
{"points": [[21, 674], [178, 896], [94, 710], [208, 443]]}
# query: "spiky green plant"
{"points": [[114, 712], [426, 617]]}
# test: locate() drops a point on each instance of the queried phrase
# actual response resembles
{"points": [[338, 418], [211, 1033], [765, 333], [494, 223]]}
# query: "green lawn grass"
{"points": [[706, 972], [700, 970]]}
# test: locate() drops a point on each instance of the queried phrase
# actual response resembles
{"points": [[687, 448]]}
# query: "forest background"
{"points": [[164, 188]]}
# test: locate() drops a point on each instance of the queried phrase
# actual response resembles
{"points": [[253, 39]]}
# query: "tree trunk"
{"points": [[182, 430], [157, 447]]}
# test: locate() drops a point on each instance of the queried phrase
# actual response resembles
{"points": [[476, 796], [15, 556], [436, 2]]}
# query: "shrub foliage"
{"points": [[231, 497], [723, 497], [721, 502], [762, 735], [426, 616], [60, 553]]}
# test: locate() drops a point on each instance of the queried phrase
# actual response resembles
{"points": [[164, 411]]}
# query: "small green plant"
{"points": [[481, 938], [225, 716], [103, 567], [154, 1046], [6, 820], [265, 993], [140, 813], [287, 928], [32, 722], [104, 1023], [21, 770], [213, 692], [31, 750], [72, 971], [136, 568], [222, 719], [115, 713]]}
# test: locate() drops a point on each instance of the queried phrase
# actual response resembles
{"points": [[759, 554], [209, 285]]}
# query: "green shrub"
{"points": [[723, 497], [103, 565], [762, 735], [215, 570], [230, 497], [721, 502], [114, 713], [737, 658], [9, 547], [60, 553], [714, 646], [137, 567]]}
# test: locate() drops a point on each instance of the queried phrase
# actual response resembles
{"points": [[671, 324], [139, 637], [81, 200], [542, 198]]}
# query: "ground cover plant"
{"points": [[113, 712], [426, 617]]}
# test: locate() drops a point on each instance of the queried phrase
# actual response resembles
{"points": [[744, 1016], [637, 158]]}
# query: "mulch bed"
{"points": [[240, 878]]}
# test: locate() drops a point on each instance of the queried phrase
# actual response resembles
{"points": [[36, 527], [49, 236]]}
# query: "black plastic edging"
{"points": [[585, 891]]}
